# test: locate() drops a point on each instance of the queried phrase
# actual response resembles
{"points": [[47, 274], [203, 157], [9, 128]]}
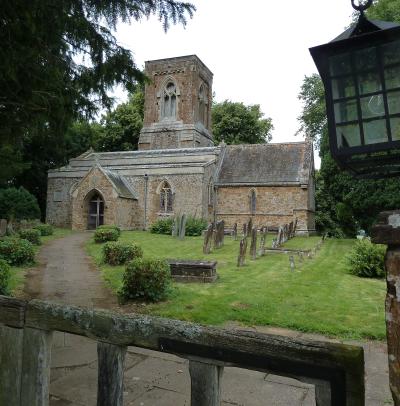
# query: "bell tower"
{"points": [[177, 110]]}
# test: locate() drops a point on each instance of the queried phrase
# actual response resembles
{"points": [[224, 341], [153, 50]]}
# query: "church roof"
{"points": [[266, 164], [120, 184]]}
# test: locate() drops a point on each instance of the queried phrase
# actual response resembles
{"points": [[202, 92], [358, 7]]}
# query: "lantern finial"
{"points": [[361, 7]]}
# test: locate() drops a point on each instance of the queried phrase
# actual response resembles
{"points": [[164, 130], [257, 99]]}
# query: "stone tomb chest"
{"points": [[193, 271]]}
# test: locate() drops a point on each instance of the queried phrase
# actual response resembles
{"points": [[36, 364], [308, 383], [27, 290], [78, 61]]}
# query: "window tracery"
{"points": [[166, 198], [169, 100]]}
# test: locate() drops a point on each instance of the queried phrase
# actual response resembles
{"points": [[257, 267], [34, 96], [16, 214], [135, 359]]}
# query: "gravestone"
{"points": [[264, 231], [294, 227], [219, 233], [244, 230], [242, 252], [249, 226], [279, 238], [182, 227], [234, 231], [290, 231], [175, 227], [291, 261], [208, 239], [193, 271], [301, 257], [253, 243], [3, 227]]}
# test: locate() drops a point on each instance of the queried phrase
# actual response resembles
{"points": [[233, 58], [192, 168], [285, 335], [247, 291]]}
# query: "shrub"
{"points": [[16, 251], [18, 204], [195, 226], [105, 234], [367, 260], [5, 275], [162, 226], [32, 235], [44, 229], [108, 227], [147, 279], [116, 253]]}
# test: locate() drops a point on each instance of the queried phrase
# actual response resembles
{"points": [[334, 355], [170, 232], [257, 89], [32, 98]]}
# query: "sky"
{"points": [[257, 49]]}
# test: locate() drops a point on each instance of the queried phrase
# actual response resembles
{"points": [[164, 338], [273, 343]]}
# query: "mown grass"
{"points": [[320, 296], [18, 272]]}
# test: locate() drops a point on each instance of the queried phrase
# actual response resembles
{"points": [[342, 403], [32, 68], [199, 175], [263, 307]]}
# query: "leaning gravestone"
{"points": [[290, 231], [263, 238], [253, 244], [182, 227], [3, 227], [294, 227], [242, 252], [279, 238], [249, 226], [208, 239], [244, 230]]}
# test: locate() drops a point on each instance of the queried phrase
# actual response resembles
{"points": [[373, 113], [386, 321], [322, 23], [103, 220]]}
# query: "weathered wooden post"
{"points": [[234, 232], [387, 231], [206, 383], [242, 252], [253, 244], [208, 239]]}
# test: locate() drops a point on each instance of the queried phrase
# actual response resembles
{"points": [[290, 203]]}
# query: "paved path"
{"points": [[66, 275]]}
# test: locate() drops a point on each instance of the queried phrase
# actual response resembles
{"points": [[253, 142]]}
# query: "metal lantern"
{"points": [[360, 70]]}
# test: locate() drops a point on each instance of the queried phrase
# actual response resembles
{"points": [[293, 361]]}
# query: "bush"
{"points": [[116, 253], [162, 226], [5, 275], [147, 279], [106, 234], [32, 235], [195, 226], [16, 251], [18, 204], [367, 260], [44, 229], [108, 227]]}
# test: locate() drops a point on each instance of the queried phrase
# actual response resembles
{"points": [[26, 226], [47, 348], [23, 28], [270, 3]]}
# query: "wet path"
{"points": [[66, 274]]}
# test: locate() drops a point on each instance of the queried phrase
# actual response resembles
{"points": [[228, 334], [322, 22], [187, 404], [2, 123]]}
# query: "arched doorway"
{"points": [[95, 211]]}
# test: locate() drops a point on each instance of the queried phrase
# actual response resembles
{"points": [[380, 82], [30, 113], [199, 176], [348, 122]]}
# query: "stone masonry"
{"points": [[177, 170]]}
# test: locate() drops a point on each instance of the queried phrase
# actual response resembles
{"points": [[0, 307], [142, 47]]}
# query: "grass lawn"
{"points": [[319, 297], [18, 273]]}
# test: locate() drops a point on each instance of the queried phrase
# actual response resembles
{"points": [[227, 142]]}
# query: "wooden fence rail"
{"points": [[336, 370]]}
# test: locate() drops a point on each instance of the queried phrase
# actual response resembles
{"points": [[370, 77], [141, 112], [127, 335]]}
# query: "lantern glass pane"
{"points": [[372, 106], [348, 136], [369, 83], [392, 77], [375, 132], [391, 53], [395, 128], [340, 64], [346, 111], [393, 99], [366, 59], [343, 87]]}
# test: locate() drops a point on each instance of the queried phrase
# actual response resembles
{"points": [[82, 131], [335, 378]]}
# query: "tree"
{"points": [[236, 123], [120, 128], [344, 203], [53, 73]]}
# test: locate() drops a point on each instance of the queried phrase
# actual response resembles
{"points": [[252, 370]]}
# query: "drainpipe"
{"points": [[146, 181]]}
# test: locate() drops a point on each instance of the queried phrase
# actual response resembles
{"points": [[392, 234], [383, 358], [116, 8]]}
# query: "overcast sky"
{"points": [[257, 49]]}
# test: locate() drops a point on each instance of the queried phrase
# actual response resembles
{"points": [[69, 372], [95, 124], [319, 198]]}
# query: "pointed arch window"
{"points": [[169, 101], [166, 197], [253, 201]]}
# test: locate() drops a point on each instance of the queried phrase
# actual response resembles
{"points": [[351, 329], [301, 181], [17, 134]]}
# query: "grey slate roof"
{"points": [[121, 185], [267, 164]]}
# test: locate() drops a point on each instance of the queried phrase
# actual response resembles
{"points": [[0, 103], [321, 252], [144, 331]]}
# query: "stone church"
{"points": [[177, 168]]}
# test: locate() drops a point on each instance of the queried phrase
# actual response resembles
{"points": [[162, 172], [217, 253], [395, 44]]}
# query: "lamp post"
{"points": [[360, 70]]}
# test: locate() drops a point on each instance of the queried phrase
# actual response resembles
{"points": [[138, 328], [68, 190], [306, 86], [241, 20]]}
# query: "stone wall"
{"points": [[59, 203], [274, 206], [117, 211]]}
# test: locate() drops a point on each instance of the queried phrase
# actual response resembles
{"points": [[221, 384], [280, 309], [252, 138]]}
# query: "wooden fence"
{"points": [[336, 370]]}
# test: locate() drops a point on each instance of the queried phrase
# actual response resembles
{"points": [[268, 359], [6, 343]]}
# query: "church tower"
{"points": [[177, 104]]}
